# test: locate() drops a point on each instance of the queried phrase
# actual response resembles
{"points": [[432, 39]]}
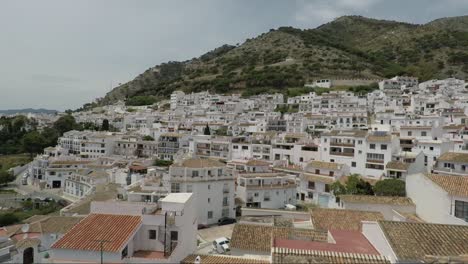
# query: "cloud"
{"points": [[320, 11]]}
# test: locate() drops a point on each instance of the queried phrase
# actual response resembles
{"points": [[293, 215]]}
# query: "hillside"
{"points": [[348, 47]]}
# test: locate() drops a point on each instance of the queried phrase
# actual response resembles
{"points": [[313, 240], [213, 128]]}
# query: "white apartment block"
{"points": [[211, 184]]}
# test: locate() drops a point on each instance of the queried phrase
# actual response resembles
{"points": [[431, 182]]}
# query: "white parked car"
{"points": [[221, 245]]}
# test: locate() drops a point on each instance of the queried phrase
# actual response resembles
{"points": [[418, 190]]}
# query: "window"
{"points": [[431, 148], [209, 187], [245, 147], [151, 234], [353, 164], [175, 187], [209, 200], [256, 194], [225, 212], [225, 201], [310, 195], [174, 236], [331, 173], [125, 252], [410, 133], [327, 187], [461, 210], [423, 133], [317, 171], [383, 147], [220, 172], [194, 174], [311, 185], [375, 156], [235, 147], [210, 214], [463, 167], [372, 146]]}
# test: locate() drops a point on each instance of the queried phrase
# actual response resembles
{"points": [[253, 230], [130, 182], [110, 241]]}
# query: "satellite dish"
{"points": [[25, 228]]}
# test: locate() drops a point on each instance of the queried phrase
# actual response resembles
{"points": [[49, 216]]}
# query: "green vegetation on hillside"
{"points": [[348, 47]]}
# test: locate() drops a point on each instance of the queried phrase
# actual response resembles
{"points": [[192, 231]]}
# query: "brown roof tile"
{"points": [[392, 200], [453, 184], [413, 241], [397, 165], [340, 219], [454, 157], [258, 237], [85, 235], [287, 255], [217, 259], [199, 163]]}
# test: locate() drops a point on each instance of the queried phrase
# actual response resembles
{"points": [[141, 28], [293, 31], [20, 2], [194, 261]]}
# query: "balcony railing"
{"points": [[341, 144], [347, 154], [375, 161]]}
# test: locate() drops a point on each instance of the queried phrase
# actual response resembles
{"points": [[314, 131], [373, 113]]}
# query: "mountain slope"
{"points": [[348, 47]]}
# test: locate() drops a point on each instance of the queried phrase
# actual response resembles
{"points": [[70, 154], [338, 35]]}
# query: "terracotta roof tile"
{"points": [[453, 184], [392, 200], [454, 157], [217, 259], [85, 235], [324, 165], [397, 165], [340, 219], [258, 237], [199, 163], [413, 241], [287, 255]]}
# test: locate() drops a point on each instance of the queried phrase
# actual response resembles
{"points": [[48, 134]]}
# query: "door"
{"points": [[28, 256], [302, 196], [56, 184]]}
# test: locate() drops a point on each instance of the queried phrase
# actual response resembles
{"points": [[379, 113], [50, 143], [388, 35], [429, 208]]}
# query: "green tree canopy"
{"points": [[390, 187], [33, 142], [65, 123]]}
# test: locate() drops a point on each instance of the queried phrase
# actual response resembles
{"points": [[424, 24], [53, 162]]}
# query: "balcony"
{"points": [[375, 161], [346, 154], [341, 144], [225, 190]]}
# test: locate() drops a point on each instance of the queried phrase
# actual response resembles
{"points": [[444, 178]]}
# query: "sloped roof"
{"points": [[342, 219], [114, 229], [413, 241], [287, 255], [217, 259], [452, 184], [392, 200], [397, 165], [454, 157], [258, 237], [198, 163], [324, 165]]}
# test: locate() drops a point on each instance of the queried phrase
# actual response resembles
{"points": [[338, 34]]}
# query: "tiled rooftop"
{"points": [[340, 219], [115, 229], [452, 184], [413, 241], [391, 200]]}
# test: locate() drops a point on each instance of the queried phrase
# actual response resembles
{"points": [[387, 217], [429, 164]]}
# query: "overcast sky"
{"points": [[59, 54]]}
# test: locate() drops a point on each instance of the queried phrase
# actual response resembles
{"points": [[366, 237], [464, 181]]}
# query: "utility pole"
{"points": [[101, 243]]}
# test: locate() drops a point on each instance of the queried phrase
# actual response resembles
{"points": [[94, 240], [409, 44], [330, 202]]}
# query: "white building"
{"points": [[211, 184], [123, 232], [439, 198]]}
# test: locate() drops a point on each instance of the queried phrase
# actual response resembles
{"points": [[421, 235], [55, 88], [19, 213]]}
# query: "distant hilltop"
{"points": [[27, 111], [350, 47]]}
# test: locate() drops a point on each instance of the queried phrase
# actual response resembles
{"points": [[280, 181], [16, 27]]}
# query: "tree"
{"points": [[65, 123], [105, 125], [354, 185], [148, 138], [390, 187], [33, 142], [207, 131], [6, 177], [8, 219]]}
